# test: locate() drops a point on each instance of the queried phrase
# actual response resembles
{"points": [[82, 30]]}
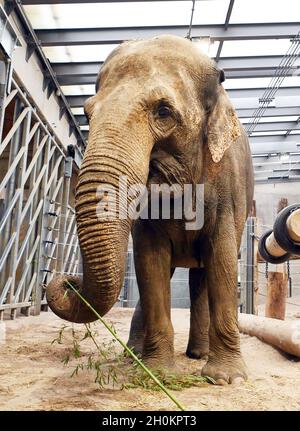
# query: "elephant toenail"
{"points": [[237, 380], [221, 382]]}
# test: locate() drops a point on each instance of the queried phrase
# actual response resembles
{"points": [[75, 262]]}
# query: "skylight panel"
{"points": [[81, 53], [289, 81], [78, 111], [128, 14], [266, 11], [245, 48], [74, 90]]}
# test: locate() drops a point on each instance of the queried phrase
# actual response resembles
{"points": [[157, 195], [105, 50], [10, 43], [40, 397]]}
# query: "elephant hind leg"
{"points": [[198, 344]]}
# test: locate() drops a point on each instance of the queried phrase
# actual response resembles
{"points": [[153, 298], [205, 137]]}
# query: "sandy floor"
{"points": [[32, 376]]}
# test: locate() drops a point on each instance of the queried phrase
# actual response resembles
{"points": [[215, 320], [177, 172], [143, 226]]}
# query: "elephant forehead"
{"points": [[164, 54]]}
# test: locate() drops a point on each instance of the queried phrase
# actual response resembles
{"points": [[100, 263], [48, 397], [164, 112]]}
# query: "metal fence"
{"points": [[37, 224], [179, 286], [252, 276]]}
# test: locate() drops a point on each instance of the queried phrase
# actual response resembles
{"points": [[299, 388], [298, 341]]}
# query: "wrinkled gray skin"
{"points": [[161, 115]]}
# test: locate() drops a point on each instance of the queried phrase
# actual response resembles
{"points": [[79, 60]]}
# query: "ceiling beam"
{"points": [[266, 144], [86, 79], [272, 179], [271, 112], [81, 68], [244, 113], [275, 127], [261, 161], [260, 145], [253, 62], [87, 36], [260, 127], [77, 101], [41, 2], [272, 141], [245, 67], [228, 64]]}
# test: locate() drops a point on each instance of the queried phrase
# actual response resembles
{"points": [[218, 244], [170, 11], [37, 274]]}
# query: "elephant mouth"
{"points": [[157, 172], [167, 170]]}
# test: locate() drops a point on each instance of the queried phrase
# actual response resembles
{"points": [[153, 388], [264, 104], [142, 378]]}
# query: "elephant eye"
{"points": [[164, 111]]}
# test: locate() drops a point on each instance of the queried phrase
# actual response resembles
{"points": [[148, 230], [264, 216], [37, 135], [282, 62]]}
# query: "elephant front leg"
{"points": [[152, 255], [136, 334], [198, 345], [225, 363]]}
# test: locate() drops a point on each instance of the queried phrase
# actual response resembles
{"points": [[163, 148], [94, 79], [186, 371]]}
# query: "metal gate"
{"points": [[37, 224]]}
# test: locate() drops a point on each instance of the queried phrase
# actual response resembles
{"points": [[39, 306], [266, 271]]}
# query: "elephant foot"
{"points": [[198, 351], [225, 371], [158, 349], [136, 344], [160, 364], [163, 370]]}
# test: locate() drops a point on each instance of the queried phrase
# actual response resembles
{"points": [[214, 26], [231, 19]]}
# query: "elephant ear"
{"points": [[223, 127]]}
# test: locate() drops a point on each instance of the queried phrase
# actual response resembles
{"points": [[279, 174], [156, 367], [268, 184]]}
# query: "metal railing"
{"points": [[37, 224]]}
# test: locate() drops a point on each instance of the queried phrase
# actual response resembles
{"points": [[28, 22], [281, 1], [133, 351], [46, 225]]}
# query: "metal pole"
{"points": [[250, 267], [63, 220], [10, 190], [16, 222], [3, 86], [42, 223]]}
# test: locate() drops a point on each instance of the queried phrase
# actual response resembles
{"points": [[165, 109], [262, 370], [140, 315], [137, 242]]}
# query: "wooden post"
{"points": [[282, 203], [276, 295]]}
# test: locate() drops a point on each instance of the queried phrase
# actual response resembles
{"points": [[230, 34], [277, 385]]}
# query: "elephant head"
{"points": [[159, 113]]}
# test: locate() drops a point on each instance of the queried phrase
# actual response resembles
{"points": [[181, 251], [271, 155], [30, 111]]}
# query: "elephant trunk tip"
{"points": [[65, 303]]}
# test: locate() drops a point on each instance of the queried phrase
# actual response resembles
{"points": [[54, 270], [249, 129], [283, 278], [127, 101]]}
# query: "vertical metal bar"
{"points": [[243, 272], [63, 220], [42, 224], [250, 266], [33, 206], [15, 144], [3, 87], [17, 216]]}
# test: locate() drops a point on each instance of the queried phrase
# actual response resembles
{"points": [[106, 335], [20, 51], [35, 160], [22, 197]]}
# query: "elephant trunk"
{"points": [[103, 238]]}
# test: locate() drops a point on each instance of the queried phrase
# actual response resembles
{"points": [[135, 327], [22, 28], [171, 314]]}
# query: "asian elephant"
{"points": [[161, 115]]}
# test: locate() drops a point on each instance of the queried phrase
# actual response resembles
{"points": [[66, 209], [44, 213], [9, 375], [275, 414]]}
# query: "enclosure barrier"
{"points": [[278, 244], [37, 223]]}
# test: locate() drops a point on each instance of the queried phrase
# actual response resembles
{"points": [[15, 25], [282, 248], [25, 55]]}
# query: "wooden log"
{"points": [[277, 288], [273, 248], [293, 226], [283, 335]]}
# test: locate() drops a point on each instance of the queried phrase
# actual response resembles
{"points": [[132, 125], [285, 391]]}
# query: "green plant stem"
{"points": [[92, 337], [124, 345]]}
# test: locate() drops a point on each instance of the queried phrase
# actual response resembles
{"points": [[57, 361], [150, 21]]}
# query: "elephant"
{"points": [[161, 115]]}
